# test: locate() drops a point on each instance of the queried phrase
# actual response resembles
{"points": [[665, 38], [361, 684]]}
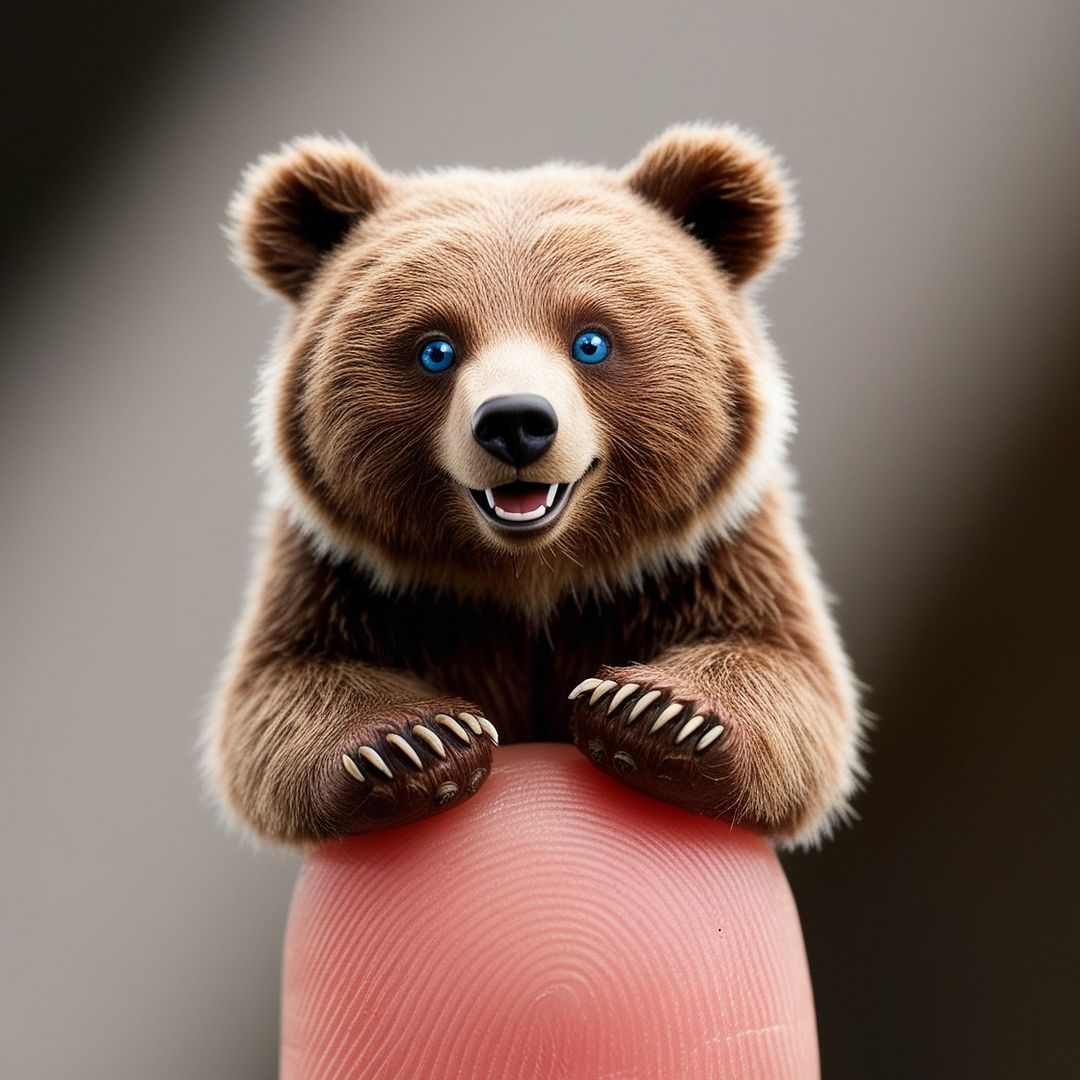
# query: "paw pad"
{"points": [[445, 793]]}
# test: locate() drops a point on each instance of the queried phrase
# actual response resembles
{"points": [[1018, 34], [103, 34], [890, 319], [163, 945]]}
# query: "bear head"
{"points": [[519, 384]]}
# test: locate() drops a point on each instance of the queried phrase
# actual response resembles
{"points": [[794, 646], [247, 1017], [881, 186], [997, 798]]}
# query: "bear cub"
{"points": [[523, 436]]}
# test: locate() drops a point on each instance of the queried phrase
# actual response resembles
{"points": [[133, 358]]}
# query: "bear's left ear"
{"points": [[294, 207], [725, 187]]}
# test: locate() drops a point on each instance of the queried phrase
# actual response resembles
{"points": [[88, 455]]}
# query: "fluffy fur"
{"points": [[385, 600]]}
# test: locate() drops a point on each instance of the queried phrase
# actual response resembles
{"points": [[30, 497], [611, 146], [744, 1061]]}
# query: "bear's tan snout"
{"points": [[516, 428], [516, 412]]}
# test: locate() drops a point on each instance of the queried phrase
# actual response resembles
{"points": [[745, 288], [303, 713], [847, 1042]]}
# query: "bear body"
{"points": [[523, 437]]}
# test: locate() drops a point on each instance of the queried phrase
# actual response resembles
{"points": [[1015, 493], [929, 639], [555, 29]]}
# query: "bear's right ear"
{"points": [[725, 187], [295, 206]]}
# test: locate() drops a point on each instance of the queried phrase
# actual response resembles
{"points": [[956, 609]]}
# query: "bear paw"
{"points": [[416, 765], [655, 737]]}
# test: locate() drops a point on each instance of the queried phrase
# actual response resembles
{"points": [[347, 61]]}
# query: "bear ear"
{"points": [[725, 187], [294, 207]]}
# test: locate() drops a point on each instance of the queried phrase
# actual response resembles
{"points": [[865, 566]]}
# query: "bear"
{"points": [[524, 441]]}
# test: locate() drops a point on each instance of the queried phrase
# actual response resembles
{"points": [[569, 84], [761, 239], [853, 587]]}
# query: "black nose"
{"points": [[516, 428]]}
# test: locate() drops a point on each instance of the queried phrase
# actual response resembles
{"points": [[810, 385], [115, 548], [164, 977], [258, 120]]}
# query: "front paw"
{"points": [[656, 736], [414, 762]]}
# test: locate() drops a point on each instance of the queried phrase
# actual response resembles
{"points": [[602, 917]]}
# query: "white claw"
{"points": [[451, 724], [689, 728], [643, 703], [709, 738], [668, 714], [581, 687], [430, 739], [471, 721], [621, 695], [489, 729], [604, 688], [399, 744], [352, 768], [373, 757]]}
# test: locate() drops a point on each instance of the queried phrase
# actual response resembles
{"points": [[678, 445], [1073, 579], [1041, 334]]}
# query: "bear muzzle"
{"points": [[516, 428]]}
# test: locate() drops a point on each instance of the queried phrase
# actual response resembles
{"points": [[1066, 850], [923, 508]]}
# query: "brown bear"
{"points": [[521, 430]]}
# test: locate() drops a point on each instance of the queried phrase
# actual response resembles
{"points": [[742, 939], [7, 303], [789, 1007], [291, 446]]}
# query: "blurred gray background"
{"points": [[930, 325]]}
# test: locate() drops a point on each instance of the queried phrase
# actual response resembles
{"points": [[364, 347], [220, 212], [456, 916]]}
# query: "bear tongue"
{"points": [[519, 498]]}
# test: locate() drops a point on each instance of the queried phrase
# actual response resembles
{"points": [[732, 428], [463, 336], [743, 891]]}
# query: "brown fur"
{"points": [[383, 597]]}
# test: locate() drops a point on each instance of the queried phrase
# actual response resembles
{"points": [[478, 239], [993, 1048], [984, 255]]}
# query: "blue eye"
{"points": [[437, 355], [590, 347]]}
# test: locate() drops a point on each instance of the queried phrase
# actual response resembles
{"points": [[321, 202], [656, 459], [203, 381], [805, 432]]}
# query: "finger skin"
{"points": [[556, 925]]}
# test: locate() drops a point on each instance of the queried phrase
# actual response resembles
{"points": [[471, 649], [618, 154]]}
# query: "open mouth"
{"points": [[521, 506]]}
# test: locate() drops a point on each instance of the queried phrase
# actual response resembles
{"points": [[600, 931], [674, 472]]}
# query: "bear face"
{"points": [[514, 470]]}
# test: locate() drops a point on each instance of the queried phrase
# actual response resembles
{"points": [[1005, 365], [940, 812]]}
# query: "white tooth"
{"points": [[490, 498], [581, 687], [667, 715], [552, 492], [529, 515], [643, 703], [689, 728]]}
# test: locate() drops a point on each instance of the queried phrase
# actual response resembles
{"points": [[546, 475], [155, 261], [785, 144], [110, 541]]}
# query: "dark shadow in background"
{"points": [[73, 76], [942, 934], [942, 930]]}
